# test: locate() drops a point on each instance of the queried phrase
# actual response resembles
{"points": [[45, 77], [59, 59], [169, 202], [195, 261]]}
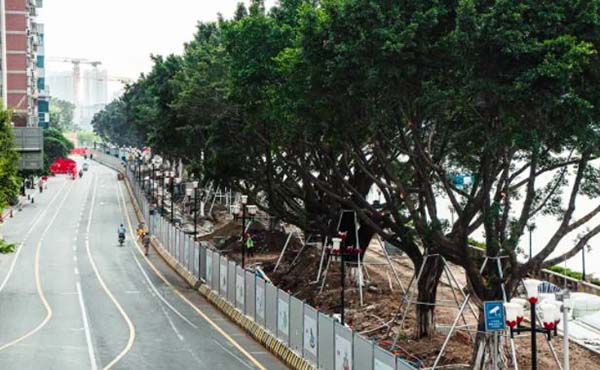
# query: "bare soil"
{"points": [[379, 316]]}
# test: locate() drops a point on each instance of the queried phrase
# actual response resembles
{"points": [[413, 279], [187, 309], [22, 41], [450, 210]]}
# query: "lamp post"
{"points": [[530, 228], [340, 253], [243, 201], [515, 315], [195, 186], [172, 177]]}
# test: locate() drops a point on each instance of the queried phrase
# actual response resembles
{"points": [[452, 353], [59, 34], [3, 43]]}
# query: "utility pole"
{"points": [[583, 263]]}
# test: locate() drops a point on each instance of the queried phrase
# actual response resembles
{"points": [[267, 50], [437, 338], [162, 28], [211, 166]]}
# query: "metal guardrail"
{"points": [[313, 335]]}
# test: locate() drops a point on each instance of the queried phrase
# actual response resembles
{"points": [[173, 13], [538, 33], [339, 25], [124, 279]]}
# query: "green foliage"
{"points": [[111, 124], [61, 114], [9, 181], [56, 146], [308, 105], [572, 274], [6, 247], [87, 138]]}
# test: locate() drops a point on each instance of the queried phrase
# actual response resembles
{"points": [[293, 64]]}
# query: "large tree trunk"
{"points": [[485, 347], [426, 296]]}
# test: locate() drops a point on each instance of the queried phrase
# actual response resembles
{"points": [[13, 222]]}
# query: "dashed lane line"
{"points": [[130, 325]]}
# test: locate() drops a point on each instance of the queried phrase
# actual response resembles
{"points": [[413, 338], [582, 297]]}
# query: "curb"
{"points": [[265, 338], [269, 341]]}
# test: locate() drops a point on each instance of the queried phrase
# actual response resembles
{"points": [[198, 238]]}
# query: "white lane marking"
{"points": [[86, 328], [233, 354], [38, 281], [210, 321], [74, 258], [160, 296], [130, 326], [76, 271], [37, 219]]}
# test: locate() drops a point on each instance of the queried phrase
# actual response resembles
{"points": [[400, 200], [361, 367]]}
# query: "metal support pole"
{"points": [[172, 198], [565, 311], [533, 338], [243, 236], [343, 274], [195, 213], [583, 263]]}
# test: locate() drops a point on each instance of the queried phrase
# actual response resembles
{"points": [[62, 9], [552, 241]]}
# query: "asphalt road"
{"points": [[71, 298]]}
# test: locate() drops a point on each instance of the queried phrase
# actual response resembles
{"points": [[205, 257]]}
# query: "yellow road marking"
{"points": [[38, 283], [130, 325], [184, 298]]}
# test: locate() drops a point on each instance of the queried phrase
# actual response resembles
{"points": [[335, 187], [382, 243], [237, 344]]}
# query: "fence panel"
{"points": [[201, 258], [271, 308], [191, 257], [216, 263], [182, 245], [250, 291], [283, 316], [240, 291], [383, 360], [223, 277], [231, 267], [208, 268], [363, 353], [343, 347], [403, 365], [325, 342], [261, 303], [296, 324], [311, 334]]}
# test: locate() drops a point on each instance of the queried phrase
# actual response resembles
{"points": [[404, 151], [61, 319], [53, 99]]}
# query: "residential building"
{"points": [[20, 44]]}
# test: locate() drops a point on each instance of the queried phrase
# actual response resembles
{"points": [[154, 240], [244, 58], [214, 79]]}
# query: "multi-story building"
{"points": [[43, 98], [20, 45]]}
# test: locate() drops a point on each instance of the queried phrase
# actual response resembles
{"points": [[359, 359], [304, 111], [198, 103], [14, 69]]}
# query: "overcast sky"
{"points": [[123, 33]]}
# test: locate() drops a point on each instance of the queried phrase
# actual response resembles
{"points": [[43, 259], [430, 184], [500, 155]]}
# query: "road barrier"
{"points": [[295, 331]]}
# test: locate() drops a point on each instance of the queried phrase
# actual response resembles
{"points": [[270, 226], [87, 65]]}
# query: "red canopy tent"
{"points": [[63, 166], [79, 151]]}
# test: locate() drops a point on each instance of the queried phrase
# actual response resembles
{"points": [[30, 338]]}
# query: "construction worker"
{"points": [[146, 241], [141, 231], [249, 245]]}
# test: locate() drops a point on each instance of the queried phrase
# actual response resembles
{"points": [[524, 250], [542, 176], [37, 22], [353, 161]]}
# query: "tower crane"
{"points": [[76, 71]]}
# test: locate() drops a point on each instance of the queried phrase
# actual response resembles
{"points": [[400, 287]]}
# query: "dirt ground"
{"points": [[380, 315]]}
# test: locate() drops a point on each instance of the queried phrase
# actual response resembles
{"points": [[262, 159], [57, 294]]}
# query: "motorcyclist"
{"points": [[121, 231]]}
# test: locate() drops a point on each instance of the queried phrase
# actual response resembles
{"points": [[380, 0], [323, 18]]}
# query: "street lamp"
{"points": [[172, 190], [340, 253], [195, 187], [515, 315], [530, 228]]}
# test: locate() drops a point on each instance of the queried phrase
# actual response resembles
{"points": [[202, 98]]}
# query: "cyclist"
{"points": [[121, 231]]}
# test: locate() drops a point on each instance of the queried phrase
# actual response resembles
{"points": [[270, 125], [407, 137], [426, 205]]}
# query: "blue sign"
{"points": [[494, 315]]}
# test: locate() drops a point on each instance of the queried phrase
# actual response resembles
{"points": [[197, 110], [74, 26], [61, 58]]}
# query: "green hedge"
{"points": [[572, 274]]}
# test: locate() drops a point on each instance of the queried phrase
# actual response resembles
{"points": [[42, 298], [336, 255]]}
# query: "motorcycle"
{"points": [[121, 240]]}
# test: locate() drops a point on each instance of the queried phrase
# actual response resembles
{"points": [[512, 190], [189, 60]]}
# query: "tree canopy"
{"points": [[9, 159], [313, 105]]}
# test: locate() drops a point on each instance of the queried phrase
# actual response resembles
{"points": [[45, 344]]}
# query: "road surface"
{"points": [[71, 298]]}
